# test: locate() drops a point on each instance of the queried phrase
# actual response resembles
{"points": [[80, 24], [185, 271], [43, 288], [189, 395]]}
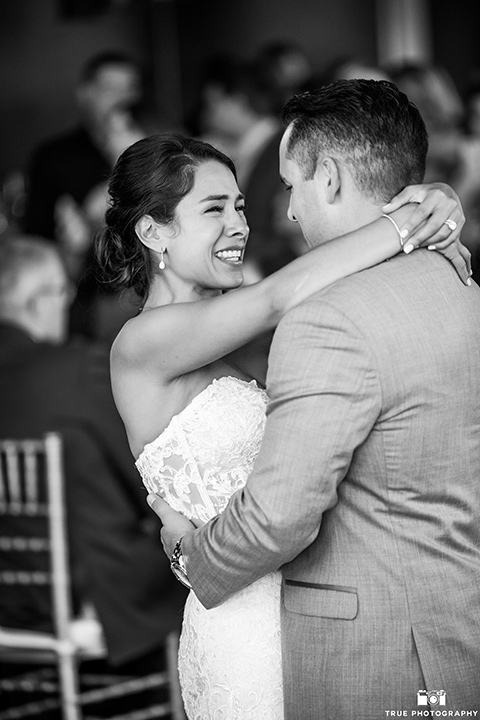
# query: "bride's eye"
{"points": [[214, 208]]}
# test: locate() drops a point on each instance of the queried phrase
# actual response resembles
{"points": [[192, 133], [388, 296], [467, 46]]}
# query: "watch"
{"points": [[177, 564]]}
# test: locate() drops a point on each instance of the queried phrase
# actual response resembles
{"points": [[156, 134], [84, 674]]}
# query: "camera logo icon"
{"points": [[434, 698]]}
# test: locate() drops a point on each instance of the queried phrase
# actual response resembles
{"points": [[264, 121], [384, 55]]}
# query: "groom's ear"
{"points": [[330, 177]]}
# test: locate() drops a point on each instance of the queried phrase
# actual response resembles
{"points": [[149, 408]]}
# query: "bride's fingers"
{"points": [[467, 257], [436, 230], [432, 219], [432, 194], [460, 258], [410, 194], [442, 244]]}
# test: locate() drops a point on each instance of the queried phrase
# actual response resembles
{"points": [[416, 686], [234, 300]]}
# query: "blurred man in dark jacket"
{"points": [[118, 566]]}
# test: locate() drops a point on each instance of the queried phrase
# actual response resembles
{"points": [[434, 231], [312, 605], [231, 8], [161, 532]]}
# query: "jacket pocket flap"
{"points": [[328, 601]]}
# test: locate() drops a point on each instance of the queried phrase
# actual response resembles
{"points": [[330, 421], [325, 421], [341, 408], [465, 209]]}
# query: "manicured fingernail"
{"points": [[150, 499], [469, 282], [408, 248], [432, 247], [403, 233]]}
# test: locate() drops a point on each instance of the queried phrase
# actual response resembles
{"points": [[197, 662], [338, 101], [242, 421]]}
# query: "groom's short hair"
{"points": [[369, 125]]}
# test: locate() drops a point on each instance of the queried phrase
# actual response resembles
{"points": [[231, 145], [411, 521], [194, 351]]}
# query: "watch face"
{"points": [[180, 573], [177, 565]]}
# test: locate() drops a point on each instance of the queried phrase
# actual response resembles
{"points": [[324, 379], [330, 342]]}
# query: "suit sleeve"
{"points": [[324, 399]]}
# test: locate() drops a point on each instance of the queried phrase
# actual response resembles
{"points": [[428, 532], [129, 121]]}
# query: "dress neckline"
{"points": [[195, 401]]}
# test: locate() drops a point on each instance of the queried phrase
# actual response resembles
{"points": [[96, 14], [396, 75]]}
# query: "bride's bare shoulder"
{"points": [[142, 335]]}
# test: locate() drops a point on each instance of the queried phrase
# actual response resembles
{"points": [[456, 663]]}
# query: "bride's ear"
{"points": [[150, 232]]}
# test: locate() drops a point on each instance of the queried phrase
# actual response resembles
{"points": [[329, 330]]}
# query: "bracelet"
{"points": [[389, 217]]}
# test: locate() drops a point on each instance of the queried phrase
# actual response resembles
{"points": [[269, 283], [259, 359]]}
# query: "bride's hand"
{"points": [[435, 204], [175, 525]]}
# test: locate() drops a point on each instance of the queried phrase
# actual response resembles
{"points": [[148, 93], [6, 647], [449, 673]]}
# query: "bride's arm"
{"points": [[175, 339]]}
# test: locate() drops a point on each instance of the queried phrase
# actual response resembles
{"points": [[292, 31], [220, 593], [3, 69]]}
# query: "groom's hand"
{"points": [[175, 525]]}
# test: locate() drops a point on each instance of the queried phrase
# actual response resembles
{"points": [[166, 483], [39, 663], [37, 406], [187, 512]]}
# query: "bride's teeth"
{"points": [[229, 254]]}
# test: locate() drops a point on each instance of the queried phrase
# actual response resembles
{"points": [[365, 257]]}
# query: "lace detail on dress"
{"points": [[207, 451], [230, 656]]}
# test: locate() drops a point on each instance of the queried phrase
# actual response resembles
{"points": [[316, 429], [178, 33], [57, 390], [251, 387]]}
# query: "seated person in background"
{"points": [[47, 384]]}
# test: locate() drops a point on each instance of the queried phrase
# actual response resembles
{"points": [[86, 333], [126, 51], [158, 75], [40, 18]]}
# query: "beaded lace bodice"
{"points": [[207, 451], [230, 656]]}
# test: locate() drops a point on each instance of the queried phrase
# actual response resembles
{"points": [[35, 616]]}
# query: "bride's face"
{"points": [[210, 232]]}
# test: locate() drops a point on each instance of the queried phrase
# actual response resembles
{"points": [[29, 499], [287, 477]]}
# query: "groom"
{"points": [[366, 490]]}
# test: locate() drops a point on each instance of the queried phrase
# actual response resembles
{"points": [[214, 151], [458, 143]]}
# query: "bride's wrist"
{"points": [[397, 219]]}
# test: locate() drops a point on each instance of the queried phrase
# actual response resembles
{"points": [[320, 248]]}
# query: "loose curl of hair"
{"points": [[149, 178]]}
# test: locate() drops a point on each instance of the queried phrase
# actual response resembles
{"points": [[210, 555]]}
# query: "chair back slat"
{"points": [[58, 533], [35, 586], [12, 461], [3, 485], [31, 475], [33, 538], [34, 558], [20, 477]]}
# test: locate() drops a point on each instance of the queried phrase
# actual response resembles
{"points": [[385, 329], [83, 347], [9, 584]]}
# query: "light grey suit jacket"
{"points": [[367, 491]]}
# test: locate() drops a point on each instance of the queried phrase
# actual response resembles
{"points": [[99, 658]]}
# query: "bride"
{"points": [[191, 396]]}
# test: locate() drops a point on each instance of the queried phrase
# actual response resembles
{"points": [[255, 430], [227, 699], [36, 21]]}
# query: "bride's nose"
{"points": [[236, 225]]}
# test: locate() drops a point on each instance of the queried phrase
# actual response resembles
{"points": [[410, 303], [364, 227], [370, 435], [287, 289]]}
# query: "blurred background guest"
{"points": [[347, 68], [48, 384], [472, 107], [454, 148], [470, 190], [233, 111], [211, 118], [234, 114], [284, 68], [432, 90], [66, 179]]}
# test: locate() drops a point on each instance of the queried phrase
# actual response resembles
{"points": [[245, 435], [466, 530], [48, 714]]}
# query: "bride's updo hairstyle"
{"points": [[149, 178]]}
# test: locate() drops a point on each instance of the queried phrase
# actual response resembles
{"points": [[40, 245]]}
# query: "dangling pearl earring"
{"points": [[161, 264]]}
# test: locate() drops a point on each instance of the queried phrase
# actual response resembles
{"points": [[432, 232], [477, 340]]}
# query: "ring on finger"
{"points": [[450, 223]]}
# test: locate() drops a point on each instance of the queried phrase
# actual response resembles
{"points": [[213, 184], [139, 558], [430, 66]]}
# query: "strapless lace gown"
{"points": [[229, 656]]}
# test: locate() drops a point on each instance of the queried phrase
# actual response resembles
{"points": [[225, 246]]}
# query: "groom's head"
{"points": [[348, 148]]}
